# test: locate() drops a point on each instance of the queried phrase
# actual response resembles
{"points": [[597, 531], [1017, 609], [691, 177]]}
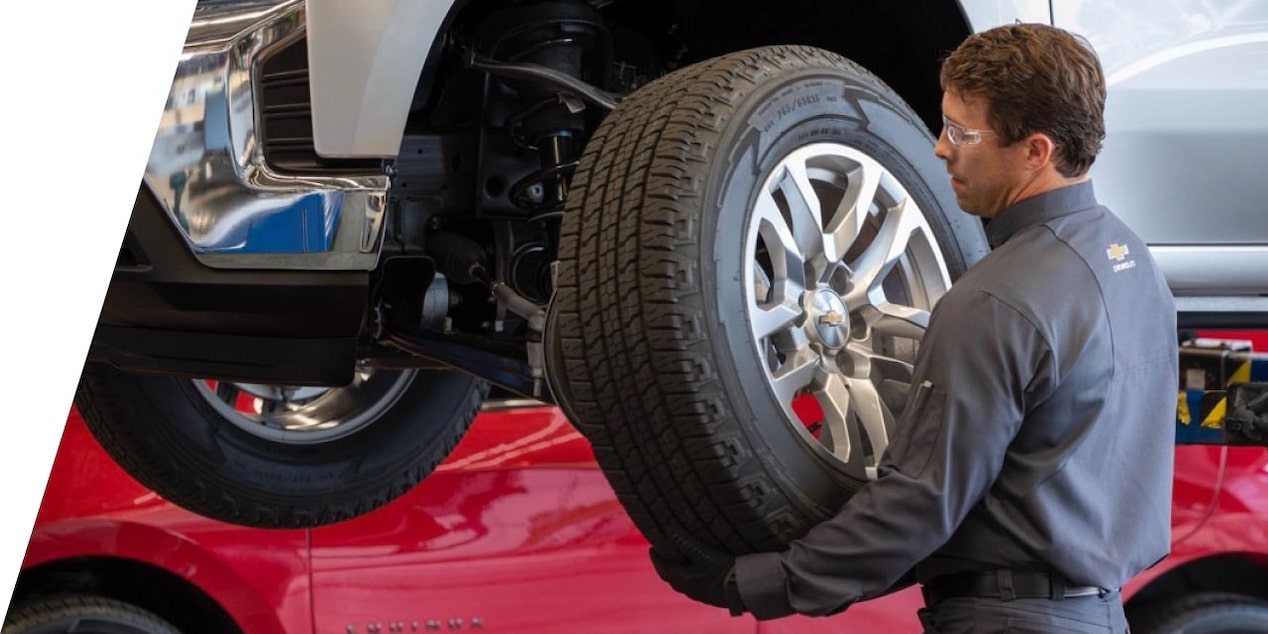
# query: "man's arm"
{"points": [[977, 360]]}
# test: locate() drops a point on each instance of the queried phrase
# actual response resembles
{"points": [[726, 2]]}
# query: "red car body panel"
{"points": [[516, 531], [91, 508]]}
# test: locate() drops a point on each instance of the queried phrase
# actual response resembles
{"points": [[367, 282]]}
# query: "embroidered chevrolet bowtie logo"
{"points": [[1117, 252]]}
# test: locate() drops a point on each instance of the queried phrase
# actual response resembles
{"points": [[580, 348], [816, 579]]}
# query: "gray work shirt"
{"points": [[1039, 432]]}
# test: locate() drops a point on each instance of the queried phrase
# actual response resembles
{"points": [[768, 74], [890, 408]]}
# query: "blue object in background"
{"points": [[305, 227]]}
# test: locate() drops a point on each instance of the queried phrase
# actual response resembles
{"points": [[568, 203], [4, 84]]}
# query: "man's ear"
{"points": [[1040, 150]]}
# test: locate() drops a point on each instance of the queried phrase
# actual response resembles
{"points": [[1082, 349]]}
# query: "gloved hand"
{"points": [[700, 572]]}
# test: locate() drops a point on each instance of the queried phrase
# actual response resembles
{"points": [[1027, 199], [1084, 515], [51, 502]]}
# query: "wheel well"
{"points": [[1238, 573], [903, 47], [169, 596]]}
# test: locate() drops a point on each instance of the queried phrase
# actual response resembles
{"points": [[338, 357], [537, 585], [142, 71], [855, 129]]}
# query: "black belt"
{"points": [[1005, 585]]}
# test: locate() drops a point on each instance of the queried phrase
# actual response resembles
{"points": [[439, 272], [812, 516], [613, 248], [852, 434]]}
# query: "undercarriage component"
{"points": [[458, 257], [529, 271], [436, 303], [542, 63], [543, 60], [462, 259], [504, 362], [596, 96]]}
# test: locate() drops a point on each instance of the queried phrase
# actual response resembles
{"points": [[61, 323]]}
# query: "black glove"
{"points": [[701, 572]]}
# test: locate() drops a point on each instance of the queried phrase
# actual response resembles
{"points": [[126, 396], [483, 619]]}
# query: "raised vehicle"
{"points": [[710, 232]]}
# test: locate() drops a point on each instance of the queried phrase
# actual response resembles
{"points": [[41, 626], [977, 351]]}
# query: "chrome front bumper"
{"points": [[208, 170]]}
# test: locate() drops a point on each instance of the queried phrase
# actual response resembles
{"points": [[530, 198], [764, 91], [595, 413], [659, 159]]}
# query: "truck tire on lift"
{"points": [[80, 613], [665, 263], [177, 438], [1203, 613]]}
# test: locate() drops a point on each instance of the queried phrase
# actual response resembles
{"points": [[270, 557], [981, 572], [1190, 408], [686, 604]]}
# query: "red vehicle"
{"points": [[518, 531]]}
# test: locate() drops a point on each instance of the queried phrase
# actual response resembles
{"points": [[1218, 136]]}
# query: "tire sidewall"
{"points": [[53, 616], [790, 111], [1201, 612], [1242, 617]]}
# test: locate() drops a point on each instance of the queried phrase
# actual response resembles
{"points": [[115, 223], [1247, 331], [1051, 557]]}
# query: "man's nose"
{"points": [[942, 149]]}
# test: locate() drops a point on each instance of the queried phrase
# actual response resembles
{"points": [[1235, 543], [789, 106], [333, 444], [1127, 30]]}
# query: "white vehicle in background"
{"points": [[712, 232]]}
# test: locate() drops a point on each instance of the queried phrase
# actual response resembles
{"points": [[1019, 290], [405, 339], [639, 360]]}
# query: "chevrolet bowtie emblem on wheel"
{"points": [[1117, 252], [832, 318]]}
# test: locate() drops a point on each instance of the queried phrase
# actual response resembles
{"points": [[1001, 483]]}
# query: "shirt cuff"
{"points": [[763, 585]]}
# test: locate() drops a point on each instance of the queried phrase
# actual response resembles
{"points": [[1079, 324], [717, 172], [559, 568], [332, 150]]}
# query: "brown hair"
{"points": [[1035, 78]]}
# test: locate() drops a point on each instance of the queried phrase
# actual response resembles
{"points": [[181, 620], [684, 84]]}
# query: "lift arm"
{"points": [[1223, 397]]}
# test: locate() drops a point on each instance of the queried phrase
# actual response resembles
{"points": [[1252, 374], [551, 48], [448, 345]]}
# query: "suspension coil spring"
{"points": [[543, 192], [545, 53]]}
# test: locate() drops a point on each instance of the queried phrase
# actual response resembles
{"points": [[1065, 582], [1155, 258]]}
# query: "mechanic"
{"points": [[1030, 474]]}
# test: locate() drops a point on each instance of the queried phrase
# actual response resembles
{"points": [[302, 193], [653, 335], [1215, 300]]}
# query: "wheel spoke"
{"points": [[761, 284], [270, 406], [883, 367], [898, 320], [768, 321], [788, 279], [885, 250], [846, 223], [803, 209], [262, 391], [227, 392], [834, 401], [794, 376], [872, 415]]}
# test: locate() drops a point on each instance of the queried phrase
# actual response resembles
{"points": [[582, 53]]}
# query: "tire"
{"points": [[197, 444], [78, 613], [685, 228], [1203, 613]]}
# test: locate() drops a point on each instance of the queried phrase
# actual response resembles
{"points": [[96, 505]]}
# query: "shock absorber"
{"points": [[550, 54]]}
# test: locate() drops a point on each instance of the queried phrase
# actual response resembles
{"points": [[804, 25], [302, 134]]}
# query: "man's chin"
{"points": [[968, 206]]}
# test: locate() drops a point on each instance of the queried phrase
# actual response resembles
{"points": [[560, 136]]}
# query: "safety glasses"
{"points": [[960, 135]]}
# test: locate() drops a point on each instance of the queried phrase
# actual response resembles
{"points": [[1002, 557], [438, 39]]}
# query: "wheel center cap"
{"points": [[830, 318]]}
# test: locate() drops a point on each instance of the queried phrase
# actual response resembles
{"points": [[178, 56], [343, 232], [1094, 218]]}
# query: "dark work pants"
{"points": [[1078, 615]]}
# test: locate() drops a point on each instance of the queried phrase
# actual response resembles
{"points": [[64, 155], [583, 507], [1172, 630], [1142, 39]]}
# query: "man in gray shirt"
{"points": [[1031, 473]]}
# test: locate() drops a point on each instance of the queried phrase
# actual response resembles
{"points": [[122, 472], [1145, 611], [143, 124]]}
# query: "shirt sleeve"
{"points": [[979, 363]]}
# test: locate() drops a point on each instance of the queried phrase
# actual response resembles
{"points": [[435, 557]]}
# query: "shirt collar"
{"points": [[1039, 209]]}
